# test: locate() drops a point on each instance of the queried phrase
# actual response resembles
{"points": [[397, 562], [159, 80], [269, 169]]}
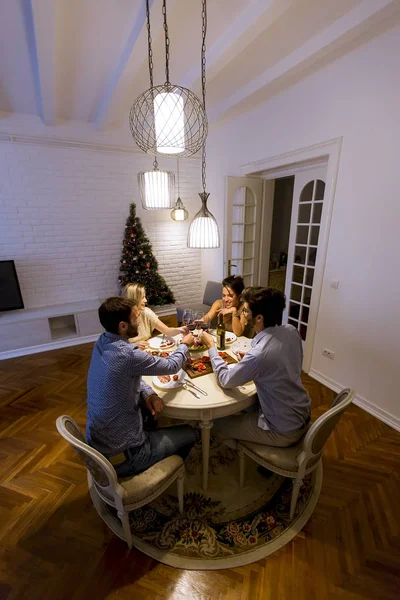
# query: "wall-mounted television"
{"points": [[10, 293]]}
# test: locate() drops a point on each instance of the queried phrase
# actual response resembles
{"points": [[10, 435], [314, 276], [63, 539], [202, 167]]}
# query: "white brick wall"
{"points": [[62, 218]]}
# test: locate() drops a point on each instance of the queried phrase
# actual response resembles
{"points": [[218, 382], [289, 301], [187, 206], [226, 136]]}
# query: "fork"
{"points": [[188, 389]]}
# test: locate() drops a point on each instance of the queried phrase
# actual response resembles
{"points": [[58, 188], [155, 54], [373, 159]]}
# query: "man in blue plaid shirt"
{"points": [[116, 394]]}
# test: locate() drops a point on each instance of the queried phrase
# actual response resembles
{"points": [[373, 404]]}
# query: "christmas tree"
{"points": [[138, 263]]}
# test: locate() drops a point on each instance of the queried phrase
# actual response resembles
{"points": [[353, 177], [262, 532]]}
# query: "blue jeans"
{"points": [[160, 443]]}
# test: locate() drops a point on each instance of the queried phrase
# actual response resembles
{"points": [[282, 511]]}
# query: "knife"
{"points": [[188, 382]]}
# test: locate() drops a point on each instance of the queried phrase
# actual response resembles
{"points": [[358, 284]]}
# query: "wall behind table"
{"points": [[358, 98], [62, 217]]}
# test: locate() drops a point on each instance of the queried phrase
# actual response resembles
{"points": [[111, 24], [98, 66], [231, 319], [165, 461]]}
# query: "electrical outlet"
{"points": [[328, 353]]}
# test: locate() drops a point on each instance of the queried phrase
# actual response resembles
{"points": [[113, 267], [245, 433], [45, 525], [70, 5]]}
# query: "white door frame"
{"points": [[287, 164]]}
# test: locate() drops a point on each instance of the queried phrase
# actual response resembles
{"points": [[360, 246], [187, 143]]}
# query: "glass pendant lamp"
{"points": [[203, 230], [179, 212]]}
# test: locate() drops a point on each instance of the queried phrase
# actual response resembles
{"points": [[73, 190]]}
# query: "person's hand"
{"points": [[207, 339], [142, 344], [227, 311], [240, 355], [188, 339], [183, 330], [155, 404]]}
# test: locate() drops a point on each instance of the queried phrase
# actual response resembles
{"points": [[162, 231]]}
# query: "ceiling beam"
{"points": [[99, 110], [40, 27], [367, 9], [256, 17]]}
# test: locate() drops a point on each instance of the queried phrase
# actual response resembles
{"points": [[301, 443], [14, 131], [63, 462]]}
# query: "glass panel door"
{"points": [[308, 198], [243, 227]]}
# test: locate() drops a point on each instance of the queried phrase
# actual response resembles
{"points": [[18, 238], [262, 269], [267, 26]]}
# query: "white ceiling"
{"points": [[86, 60]]}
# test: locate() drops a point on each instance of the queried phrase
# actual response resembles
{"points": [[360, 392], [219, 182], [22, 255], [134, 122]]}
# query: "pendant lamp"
{"points": [[167, 119], [179, 212], [157, 188], [203, 230]]}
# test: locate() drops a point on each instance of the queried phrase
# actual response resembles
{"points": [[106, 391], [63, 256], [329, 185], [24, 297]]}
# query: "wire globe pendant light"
{"points": [[203, 230], [167, 119]]}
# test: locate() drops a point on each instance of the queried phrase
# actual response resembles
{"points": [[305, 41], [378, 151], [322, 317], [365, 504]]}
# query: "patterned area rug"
{"points": [[227, 526]]}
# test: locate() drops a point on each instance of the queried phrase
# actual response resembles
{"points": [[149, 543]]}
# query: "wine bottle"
{"points": [[221, 333]]}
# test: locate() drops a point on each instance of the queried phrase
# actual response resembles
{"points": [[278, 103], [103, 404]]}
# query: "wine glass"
{"points": [[187, 317]]}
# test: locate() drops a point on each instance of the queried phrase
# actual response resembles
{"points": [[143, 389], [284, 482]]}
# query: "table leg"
{"points": [[205, 427]]}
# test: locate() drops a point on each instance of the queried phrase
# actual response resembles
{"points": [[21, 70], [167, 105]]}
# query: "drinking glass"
{"points": [[187, 317]]}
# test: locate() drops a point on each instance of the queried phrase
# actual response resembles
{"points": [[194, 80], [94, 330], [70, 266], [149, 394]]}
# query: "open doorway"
{"points": [[280, 232], [314, 170]]}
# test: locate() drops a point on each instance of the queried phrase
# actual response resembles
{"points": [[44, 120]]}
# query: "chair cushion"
{"points": [[283, 458], [138, 487]]}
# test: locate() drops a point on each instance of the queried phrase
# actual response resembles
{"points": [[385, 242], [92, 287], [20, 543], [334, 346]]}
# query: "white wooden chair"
{"points": [[126, 494], [298, 460]]}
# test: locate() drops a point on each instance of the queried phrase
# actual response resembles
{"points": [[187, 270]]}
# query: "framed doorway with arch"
{"points": [[249, 225]]}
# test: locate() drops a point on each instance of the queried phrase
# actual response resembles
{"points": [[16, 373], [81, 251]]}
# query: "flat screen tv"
{"points": [[10, 293]]}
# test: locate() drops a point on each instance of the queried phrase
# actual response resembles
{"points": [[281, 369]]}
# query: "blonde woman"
{"points": [[148, 319]]}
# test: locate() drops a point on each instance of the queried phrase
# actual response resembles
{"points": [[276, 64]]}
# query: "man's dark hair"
{"points": [[113, 311], [234, 282], [268, 302]]}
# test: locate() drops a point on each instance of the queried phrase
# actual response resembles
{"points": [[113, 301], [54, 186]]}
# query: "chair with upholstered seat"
{"points": [[212, 293], [125, 494], [302, 458]]}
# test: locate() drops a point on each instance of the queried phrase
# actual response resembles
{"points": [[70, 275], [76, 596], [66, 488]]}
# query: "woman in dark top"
{"points": [[230, 307]]}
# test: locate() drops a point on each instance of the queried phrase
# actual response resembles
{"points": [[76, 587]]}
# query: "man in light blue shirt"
{"points": [[116, 394], [274, 364]]}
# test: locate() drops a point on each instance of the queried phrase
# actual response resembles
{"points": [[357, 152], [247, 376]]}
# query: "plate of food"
{"points": [[229, 337], [162, 353], [166, 382], [160, 343]]}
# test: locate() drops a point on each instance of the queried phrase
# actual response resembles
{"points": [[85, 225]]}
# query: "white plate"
{"points": [[155, 343], [229, 337], [171, 384]]}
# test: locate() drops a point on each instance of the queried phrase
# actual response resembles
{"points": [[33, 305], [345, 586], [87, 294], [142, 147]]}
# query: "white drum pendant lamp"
{"points": [[157, 188]]}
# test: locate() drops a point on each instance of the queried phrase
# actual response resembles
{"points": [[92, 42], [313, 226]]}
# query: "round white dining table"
{"points": [[180, 403]]}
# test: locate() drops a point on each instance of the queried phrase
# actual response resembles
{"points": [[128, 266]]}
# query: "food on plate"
{"points": [[164, 378], [205, 359], [167, 344], [164, 354], [175, 377], [223, 354]]}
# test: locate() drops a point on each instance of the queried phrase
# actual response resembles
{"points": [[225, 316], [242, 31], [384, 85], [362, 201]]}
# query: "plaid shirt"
{"points": [[115, 388]]}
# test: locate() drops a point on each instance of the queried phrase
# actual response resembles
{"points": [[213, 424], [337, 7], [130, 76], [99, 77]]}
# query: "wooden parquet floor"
{"points": [[53, 545]]}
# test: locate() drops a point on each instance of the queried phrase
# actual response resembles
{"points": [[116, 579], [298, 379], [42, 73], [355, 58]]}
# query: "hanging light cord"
{"points": [[203, 86], [164, 11], [150, 51], [150, 56], [177, 172]]}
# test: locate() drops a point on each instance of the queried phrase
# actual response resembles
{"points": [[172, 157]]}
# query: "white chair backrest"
{"points": [[320, 430], [100, 468]]}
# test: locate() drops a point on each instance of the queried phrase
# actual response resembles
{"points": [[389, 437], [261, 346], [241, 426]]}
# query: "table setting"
{"points": [[202, 400]]}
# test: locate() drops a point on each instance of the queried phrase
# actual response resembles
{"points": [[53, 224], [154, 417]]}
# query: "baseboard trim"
{"points": [[50, 346], [366, 405]]}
